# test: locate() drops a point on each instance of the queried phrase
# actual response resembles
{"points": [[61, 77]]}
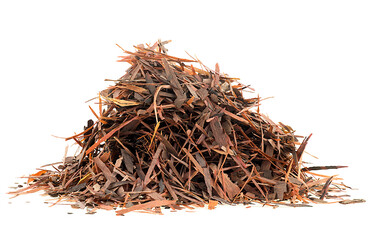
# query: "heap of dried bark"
{"points": [[170, 134]]}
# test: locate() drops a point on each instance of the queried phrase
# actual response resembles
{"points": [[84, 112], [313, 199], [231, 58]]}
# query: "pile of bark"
{"points": [[172, 132]]}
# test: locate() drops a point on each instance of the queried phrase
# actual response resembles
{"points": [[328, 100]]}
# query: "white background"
{"points": [[313, 56]]}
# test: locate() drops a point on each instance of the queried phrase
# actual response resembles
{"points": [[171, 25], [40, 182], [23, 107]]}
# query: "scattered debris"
{"points": [[351, 201]]}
